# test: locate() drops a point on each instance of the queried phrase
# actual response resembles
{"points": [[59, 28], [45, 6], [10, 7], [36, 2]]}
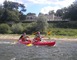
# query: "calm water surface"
{"points": [[63, 50]]}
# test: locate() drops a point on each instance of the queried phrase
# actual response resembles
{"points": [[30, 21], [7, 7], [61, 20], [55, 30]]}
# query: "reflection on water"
{"points": [[62, 51]]}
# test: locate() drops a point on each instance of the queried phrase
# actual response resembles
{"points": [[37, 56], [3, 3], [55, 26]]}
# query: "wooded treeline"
{"points": [[13, 12]]}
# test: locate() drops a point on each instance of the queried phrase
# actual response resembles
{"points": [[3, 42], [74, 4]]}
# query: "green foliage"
{"points": [[13, 5], [70, 24], [17, 28], [30, 28], [4, 28], [10, 11], [51, 12], [63, 32], [30, 14], [22, 16], [42, 24], [1, 12], [61, 12], [69, 13], [10, 16]]}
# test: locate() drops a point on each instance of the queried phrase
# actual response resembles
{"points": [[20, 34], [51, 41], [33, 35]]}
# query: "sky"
{"points": [[42, 6]]}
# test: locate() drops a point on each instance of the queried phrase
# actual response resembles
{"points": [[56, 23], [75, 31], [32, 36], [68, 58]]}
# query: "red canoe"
{"points": [[25, 42], [51, 43]]}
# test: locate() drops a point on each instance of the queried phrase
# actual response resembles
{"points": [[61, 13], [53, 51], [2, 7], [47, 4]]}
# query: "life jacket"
{"points": [[23, 39], [37, 39]]}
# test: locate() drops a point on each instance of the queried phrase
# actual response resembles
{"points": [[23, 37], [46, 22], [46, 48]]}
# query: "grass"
{"points": [[63, 32], [55, 33]]}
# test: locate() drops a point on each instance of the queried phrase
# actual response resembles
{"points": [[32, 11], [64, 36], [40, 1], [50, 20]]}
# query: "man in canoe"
{"points": [[37, 37]]}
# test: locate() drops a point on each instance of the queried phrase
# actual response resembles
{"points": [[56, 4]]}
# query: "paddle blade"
{"points": [[29, 45]]}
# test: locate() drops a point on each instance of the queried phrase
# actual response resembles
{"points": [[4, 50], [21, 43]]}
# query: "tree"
{"points": [[29, 14], [71, 13], [17, 28], [61, 12], [9, 16], [12, 11], [22, 16], [51, 12], [4, 28], [42, 24], [1, 12], [14, 6]]}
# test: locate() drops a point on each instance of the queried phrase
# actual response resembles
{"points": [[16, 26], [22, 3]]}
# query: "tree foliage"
{"points": [[17, 28], [30, 28], [13, 6], [29, 14], [61, 12], [51, 12], [10, 16], [1, 11], [10, 11], [4, 28], [42, 24], [69, 13]]}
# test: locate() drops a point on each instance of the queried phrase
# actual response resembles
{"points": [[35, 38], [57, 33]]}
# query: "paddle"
{"points": [[29, 44]]}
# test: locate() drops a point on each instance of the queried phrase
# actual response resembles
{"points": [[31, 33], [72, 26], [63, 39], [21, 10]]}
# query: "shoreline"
{"points": [[16, 37]]}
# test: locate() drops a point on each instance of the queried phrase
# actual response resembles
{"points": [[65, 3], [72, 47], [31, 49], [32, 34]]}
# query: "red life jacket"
{"points": [[37, 39], [23, 39]]}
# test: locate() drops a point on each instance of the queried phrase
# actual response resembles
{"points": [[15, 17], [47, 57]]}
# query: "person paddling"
{"points": [[23, 37], [37, 37]]}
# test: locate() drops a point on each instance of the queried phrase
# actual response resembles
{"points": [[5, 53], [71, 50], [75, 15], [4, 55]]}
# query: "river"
{"points": [[63, 50]]}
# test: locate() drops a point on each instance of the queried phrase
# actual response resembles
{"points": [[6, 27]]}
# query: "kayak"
{"points": [[50, 43], [25, 42]]}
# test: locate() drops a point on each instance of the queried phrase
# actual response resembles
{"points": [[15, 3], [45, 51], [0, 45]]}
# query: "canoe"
{"points": [[50, 43], [25, 42]]}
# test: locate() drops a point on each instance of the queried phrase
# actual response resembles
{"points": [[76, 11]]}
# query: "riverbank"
{"points": [[16, 37], [9, 36]]}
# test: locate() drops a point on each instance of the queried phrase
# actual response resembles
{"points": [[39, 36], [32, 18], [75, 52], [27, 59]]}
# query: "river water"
{"points": [[63, 50]]}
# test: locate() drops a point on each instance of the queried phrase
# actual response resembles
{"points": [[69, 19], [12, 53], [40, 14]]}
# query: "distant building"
{"points": [[31, 17], [50, 17]]}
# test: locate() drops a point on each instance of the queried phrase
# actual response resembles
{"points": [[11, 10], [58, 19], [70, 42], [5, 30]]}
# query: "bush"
{"points": [[30, 28], [17, 28], [64, 32], [70, 24], [42, 24], [4, 28]]}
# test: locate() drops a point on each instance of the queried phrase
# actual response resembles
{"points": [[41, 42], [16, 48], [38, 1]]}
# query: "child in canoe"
{"points": [[37, 37]]}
